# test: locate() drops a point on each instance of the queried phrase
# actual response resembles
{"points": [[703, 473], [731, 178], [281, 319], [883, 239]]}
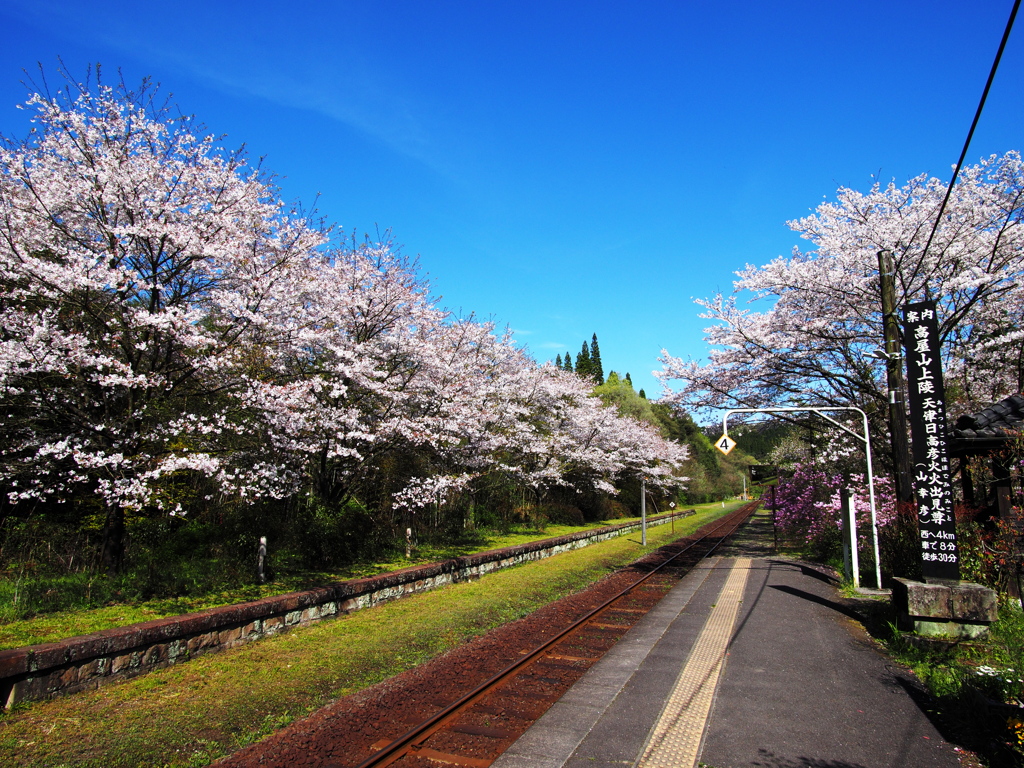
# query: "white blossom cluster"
{"points": [[820, 318], [164, 314]]}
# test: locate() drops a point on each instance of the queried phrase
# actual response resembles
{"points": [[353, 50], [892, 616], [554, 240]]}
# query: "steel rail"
{"points": [[407, 743]]}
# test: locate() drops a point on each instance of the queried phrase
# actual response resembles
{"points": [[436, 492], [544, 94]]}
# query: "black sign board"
{"points": [[940, 558], [762, 473]]}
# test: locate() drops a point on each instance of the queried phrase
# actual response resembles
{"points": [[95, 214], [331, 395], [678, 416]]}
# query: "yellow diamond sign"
{"points": [[725, 444]]}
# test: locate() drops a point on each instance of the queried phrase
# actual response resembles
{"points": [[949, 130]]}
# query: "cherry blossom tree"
{"points": [[166, 318], [135, 256], [572, 434], [820, 315], [381, 370], [485, 408]]}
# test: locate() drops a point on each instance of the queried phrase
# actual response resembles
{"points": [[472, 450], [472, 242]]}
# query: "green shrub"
{"points": [[562, 514]]}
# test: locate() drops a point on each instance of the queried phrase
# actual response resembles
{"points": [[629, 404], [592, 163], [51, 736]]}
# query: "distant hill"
{"points": [[756, 439]]}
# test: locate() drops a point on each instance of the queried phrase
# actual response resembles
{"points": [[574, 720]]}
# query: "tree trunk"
{"points": [[113, 541]]}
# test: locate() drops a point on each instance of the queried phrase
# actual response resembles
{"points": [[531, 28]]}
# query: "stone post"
{"points": [[261, 560], [950, 609]]}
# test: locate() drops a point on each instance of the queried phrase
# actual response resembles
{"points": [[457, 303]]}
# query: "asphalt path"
{"points": [[798, 682]]}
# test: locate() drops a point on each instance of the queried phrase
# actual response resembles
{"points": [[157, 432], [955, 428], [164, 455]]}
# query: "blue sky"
{"points": [[563, 168]]}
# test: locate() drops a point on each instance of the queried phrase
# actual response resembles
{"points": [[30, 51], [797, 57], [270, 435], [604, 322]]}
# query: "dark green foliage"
{"points": [[679, 426], [642, 393], [588, 361], [44, 570], [596, 369], [558, 361], [827, 547], [757, 439], [629, 379], [713, 476], [583, 362], [899, 545], [561, 514]]}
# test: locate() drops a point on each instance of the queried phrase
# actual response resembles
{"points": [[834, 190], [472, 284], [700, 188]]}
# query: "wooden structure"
{"points": [[989, 433]]}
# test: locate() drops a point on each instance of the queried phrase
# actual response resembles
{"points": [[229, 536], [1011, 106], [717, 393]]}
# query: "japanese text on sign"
{"points": [[932, 487]]}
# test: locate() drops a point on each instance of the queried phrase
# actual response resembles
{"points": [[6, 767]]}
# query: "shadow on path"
{"points": [[811, 597], [771, 760]]}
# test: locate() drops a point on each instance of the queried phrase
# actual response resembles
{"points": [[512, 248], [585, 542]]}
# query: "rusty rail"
{"points": [[414, 739]]}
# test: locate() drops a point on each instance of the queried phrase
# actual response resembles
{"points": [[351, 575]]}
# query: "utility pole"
{"points": [[902, 467]]}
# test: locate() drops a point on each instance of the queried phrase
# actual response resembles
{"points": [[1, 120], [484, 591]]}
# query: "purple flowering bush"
{"points": [[808, 506]]}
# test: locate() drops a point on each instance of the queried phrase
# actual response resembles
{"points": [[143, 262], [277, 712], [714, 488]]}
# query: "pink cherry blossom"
{"points": [[814, 318], [165, 315]]}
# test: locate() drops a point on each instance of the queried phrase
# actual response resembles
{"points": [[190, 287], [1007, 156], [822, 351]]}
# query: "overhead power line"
{"points": [[977, 116]]}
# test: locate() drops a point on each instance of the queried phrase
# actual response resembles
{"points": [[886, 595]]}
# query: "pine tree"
{"points": [[642, 393], [568, 362], [558, 361], [629, 379], [583, 364], [596, 370]]}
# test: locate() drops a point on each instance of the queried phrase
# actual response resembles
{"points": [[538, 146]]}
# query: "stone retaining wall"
{"points": [[78, 663]]}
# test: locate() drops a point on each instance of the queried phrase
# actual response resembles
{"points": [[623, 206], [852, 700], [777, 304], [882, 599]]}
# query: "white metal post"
{"points": [[851, 559], [643, 511], [871, 497], [866, 438]]}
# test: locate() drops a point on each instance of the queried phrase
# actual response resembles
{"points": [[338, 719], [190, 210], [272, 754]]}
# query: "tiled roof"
{"points": [[1003, 420]]}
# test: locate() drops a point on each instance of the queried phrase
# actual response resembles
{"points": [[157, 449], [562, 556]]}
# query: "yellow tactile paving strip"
{"points": [[675, 740]]}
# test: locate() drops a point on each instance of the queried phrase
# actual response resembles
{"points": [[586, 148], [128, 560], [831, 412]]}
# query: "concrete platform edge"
{"points": [[551, 741]]}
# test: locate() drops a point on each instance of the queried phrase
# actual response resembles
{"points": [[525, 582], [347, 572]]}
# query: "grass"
{"points": [[191, 714], [50, 627]]}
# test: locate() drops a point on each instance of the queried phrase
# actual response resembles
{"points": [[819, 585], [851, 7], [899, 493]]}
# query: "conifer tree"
{"points": [[596, 369], [642, 393], [583, 362], [629, 379], [558, 361], [568, 362]]}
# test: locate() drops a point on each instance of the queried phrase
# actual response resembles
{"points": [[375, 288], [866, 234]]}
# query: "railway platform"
{"points": [[751, 660]]}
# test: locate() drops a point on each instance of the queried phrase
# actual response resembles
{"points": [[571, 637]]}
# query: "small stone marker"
{"points": [[951, 609], [261, 560]]}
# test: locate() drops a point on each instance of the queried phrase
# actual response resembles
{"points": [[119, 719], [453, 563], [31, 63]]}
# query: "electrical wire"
{"points": [[970, 133]]}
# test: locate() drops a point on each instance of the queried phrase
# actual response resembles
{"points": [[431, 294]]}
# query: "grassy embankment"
{"points": [[50, 627], [190, 714]]}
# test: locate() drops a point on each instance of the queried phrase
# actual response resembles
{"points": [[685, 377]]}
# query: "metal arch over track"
{"points": [[865, 438]]}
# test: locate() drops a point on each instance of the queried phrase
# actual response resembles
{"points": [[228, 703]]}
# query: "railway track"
{"points": [[475, 729]]}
